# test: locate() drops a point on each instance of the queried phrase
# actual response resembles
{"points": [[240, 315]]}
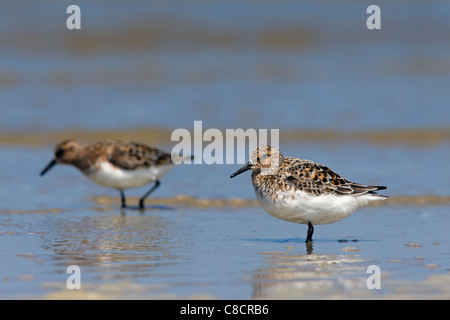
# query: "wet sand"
{"points": [[179, 247], [402, 137]]}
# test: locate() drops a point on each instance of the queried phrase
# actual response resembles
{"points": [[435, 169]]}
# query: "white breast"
{"points": [[111, 176], [300, 207]]}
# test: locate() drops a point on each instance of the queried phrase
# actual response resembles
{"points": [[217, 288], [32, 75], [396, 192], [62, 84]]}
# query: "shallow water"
{"points": [[370, 105], [227, 253]]}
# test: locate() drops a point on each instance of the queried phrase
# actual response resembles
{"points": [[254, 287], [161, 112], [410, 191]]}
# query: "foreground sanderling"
{"points": [[303, 191], [121, 165]]}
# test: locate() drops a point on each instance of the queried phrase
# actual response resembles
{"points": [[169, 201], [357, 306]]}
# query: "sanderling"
{"points": [[121, 165], [303, 191]]}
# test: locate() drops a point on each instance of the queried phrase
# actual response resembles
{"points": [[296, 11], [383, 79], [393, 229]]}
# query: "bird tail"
{"points": [[376, 188], [360, 189]]}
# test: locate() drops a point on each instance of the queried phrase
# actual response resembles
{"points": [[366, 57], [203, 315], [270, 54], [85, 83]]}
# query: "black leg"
{"points": [[141, 201], [122, 197], [310, 232]]}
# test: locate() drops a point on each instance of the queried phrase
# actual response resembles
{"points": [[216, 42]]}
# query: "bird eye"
{"points": [[59, 153]]}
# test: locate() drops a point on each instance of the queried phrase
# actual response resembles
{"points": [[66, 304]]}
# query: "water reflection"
{"points": [[293, 276], [309, 247], [113, 245]]}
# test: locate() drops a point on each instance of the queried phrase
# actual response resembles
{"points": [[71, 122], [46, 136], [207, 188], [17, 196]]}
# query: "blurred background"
{"points": [[359, 100], [311, 69], [310, 65], [373, 105]]}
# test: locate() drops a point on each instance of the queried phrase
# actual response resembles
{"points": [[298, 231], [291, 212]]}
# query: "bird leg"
{"points": [[310, 232], [122, 197], [141, 201]]}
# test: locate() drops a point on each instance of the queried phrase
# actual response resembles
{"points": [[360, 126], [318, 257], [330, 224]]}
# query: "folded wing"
{"points": [[316, 179], [134, 155]]}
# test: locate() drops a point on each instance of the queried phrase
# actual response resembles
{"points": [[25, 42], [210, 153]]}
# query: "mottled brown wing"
{"points": [[134, 155], [316, 179]]}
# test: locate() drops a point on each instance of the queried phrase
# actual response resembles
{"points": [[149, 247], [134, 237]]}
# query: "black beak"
{"points": [[48, 167], [248, 166]]}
